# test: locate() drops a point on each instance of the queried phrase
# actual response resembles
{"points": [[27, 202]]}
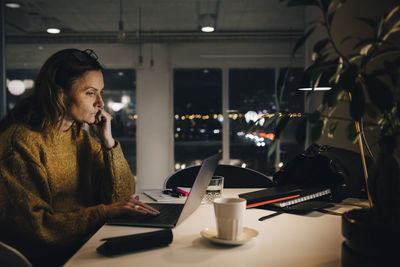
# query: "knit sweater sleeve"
{"points": [[26, 203], [111, 173]]}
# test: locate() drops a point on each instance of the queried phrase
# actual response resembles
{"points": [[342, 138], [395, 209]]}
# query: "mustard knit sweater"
{"points": [[53, 188]]}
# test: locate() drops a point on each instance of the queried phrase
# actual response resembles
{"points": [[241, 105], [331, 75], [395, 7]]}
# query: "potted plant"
{"points": [[367, 80]]}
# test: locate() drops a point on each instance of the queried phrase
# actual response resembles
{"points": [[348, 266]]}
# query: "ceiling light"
{"points": [[12, 5], [315, 89], [53, 30], [207, 29], [121, 32], [319, 83], [207, 23]]}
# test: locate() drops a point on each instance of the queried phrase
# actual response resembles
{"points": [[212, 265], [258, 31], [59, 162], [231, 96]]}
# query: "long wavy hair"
{"points": [[45, 107]]}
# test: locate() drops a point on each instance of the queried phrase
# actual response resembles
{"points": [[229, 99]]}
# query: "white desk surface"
{"points": [[283, 240]]}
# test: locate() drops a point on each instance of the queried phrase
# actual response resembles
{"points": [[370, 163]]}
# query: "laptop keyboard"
{"points": [[167, 210]]}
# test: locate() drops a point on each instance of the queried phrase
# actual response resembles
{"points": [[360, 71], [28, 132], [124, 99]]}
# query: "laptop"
{"points": [[173, 214]]}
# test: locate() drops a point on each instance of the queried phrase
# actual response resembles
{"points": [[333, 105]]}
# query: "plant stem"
{"points": [[361, 148], [357, 124]]}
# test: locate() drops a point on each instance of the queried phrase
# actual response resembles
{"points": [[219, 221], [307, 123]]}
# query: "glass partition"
{"points": [[197, 115]]}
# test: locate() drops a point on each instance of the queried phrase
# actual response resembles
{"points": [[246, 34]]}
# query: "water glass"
{"points": [[214, 189]]}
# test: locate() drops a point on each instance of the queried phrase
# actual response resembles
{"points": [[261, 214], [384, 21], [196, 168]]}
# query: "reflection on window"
{"points": [[198, 115], [20, 83], [292, 103], [119, 96], [252, 100], [251, 95]]}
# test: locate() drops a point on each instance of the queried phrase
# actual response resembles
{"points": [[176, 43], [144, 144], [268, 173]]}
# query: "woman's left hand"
{"points": [[102, 128]]}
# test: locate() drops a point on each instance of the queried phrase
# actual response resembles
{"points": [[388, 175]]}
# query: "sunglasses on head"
{"points": [[86, 54]]}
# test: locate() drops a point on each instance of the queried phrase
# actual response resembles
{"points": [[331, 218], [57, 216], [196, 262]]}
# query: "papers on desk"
{"points": [[159, 196]]}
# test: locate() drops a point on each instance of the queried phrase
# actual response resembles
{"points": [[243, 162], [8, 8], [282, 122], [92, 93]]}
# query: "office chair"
{"points": [[234, 177], [9, 256]]}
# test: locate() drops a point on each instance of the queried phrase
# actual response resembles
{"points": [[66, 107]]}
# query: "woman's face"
{"points": [[84, 101]]}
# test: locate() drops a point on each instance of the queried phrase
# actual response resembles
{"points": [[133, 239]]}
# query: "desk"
{"points": [[284, 240]]}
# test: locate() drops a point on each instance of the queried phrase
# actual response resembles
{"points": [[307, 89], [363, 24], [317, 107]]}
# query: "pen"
{"points": [[184, 193], [172, 193], [270, 216]]}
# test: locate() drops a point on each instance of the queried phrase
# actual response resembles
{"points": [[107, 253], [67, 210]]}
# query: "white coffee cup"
{"points": [[229, 213]]}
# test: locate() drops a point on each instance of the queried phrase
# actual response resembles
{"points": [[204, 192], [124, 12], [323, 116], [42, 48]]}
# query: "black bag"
{"points": [[322, 165]]}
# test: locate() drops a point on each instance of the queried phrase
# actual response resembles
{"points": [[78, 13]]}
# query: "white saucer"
{"points": [[247, 235]]}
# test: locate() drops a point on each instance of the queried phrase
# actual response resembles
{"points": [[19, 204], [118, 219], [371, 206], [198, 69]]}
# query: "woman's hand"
{"points": [[102, 128], [131, 206]]}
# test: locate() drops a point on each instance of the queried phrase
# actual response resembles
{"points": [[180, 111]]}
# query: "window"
{"points": [[253, 98], [251, 95], [292, 103], [20, 83], [198, 114], [119, 96]]}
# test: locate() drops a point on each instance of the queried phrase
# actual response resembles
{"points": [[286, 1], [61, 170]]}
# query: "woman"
{"points": [[57, 184]]}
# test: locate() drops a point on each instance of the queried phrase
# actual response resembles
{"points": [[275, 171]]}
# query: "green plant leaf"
{"points": [[357, 103], [373, 112], [335, 77], [353, 58], [379, 93], [316, 130], [272, 148], [331, 16], [351, 132], [386, 52], [392, 68], [325, 5], [332, 96], [396, 28], [349, 38], [303, 39], [364, 42], [282, 80], [364, 50], [391, 13], [370, 22], [379, 28], [252, 125], [335, 5], [332, 128], [301, 131], [271, 120], [320, 45], [348, 78]]}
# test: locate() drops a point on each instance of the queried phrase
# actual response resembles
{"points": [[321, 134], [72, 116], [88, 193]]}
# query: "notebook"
{"points": [[283, 196], [173, 214], [306, 195], [270, 195]]}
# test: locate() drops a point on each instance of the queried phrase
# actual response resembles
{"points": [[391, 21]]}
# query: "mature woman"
{"points": [[58, 185]]}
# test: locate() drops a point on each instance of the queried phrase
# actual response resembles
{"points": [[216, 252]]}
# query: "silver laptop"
{"points": [[173, 214]]}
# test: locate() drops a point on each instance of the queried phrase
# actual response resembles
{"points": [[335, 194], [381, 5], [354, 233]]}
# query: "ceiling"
{"points": [[161, 20]]}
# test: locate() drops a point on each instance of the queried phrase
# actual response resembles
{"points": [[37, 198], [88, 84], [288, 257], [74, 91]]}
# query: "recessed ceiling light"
{"points": [[12, 5], [53, 30], [207, 29]]}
